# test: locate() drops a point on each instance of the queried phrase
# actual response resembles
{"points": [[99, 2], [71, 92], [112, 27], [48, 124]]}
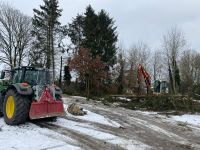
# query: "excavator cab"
{"points": [[160, 87]]}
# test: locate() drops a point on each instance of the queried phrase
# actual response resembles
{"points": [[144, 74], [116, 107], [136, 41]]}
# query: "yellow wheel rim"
{"points": [[10, 107]]}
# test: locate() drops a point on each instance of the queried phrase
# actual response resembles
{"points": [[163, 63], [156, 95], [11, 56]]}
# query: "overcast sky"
{"points": [[137, 20]]}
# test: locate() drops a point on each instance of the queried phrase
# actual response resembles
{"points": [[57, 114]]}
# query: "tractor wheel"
{"points": [[1, 105], [15, 108]]}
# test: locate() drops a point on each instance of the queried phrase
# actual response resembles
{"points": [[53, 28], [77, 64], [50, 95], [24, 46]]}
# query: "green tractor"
{"points": [[28, 92]]}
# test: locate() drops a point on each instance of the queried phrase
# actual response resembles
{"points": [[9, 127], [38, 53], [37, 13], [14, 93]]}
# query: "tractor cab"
{"points": [[31, 75], [5, 75]]}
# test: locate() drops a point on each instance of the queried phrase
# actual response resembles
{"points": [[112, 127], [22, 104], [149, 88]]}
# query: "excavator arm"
{"points": [[147, 78]]}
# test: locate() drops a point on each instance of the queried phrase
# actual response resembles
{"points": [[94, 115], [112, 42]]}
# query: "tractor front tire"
{"points": [[15, 107], [1, 105]]}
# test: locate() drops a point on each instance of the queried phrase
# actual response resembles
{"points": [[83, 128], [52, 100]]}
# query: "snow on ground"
{"points": [[78, 97], [189, 119], [93, 117], [90, 130], [147, 112], [186, 118], [124, 98], [32, 137]]}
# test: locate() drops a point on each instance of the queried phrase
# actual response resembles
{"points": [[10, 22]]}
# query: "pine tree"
{"points": [[96, 32], [75, 32], [90, 31], [107, 38], [45, 28]]}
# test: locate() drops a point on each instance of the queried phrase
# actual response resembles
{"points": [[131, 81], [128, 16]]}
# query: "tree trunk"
{"points": [[53, 53], [174, 79], [88, 86], [48, 51], [170, 78]]}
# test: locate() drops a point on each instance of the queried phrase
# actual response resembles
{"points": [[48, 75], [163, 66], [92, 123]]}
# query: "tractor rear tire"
{"points": [[1, 105], [15, 107]]}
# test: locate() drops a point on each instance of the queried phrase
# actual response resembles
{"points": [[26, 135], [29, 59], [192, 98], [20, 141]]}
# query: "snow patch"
{"points": [[146, 112], [32, 137], [124, 99], [109, 138], [76, 97], [93, 117], [190, 119]]}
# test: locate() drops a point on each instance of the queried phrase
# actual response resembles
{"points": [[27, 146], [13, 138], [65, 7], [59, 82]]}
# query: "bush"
{"points": [[158, 103]]}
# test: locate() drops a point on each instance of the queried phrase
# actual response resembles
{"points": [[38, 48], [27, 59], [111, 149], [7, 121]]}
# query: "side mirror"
{"points": [[2, 75]]}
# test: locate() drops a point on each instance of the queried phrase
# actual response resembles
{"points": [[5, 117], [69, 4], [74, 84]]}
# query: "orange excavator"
{"points": [[142, 72]]}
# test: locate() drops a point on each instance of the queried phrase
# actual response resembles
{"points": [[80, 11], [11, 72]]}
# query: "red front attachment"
{"points": [[46, 107]]}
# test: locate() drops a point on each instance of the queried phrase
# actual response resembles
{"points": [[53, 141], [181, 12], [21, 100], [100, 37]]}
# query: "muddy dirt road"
{"points": [[146, 130]]}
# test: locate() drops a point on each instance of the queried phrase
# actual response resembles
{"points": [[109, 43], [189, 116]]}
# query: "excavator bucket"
{"points": [[46, 106]]}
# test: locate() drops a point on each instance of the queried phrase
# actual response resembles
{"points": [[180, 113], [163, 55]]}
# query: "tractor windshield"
{"points": [[31, 75], [34, 77]]}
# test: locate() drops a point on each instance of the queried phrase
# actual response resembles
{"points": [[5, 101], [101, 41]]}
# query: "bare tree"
{"points": [[120, 79], [173, 43], [14, 35], [187, 66], [157, 62], [138, 54], [197, 69], [190, 70]]}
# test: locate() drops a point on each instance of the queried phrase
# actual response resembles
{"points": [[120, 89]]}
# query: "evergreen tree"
{"points": [[90, 31], [45, 28], [67, 75], [96, 32], [177, 78], [75, 32], [171, 79], [107, 38]]}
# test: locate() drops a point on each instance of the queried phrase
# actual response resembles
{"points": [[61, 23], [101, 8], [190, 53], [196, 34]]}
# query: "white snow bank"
{"points": [[93, 117], [124, 98], [90, 130], [32, 137], [146, 112], [79, 97], [190, 119]]}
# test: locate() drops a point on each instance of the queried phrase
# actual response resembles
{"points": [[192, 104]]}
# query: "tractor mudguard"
{"points": [[22, 88]]}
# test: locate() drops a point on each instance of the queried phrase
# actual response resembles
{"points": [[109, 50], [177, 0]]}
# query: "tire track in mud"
{"points": [[148, 131], [117, 131], [84, 141], [153, 131]]}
